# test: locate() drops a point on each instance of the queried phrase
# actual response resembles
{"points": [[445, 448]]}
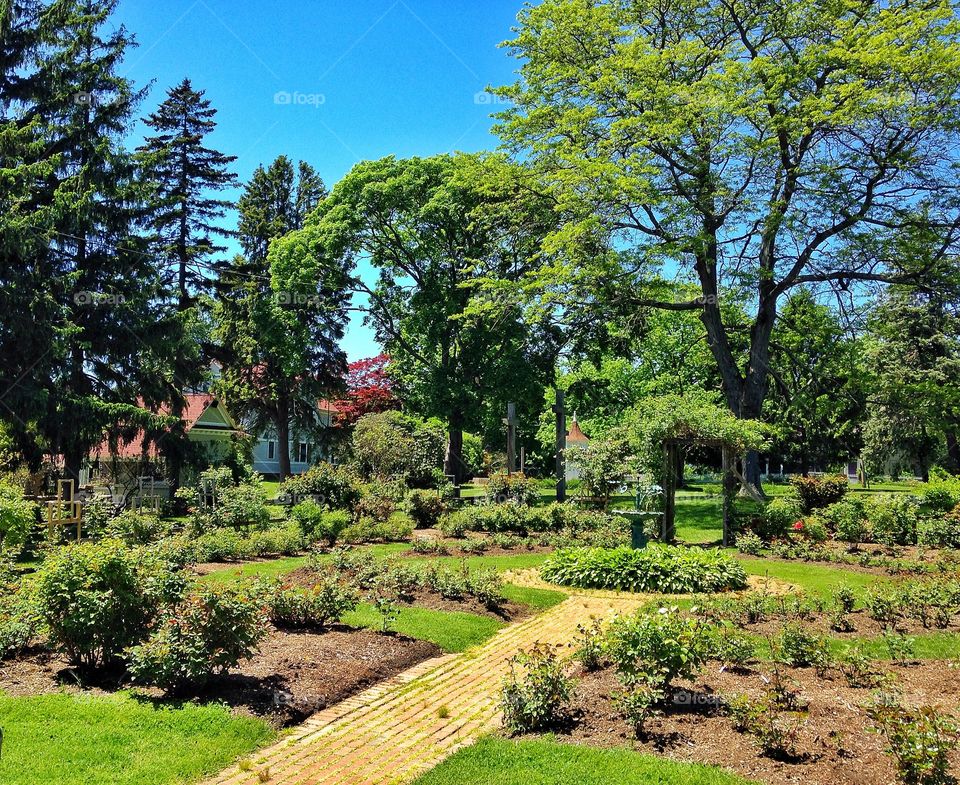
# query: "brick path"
{"points": [[392, 732]]}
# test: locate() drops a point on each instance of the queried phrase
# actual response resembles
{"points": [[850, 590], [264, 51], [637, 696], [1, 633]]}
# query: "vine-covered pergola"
{"points": [[675, 422]]}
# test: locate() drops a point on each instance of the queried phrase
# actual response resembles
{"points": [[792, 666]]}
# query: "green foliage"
{"points": [[848, 519], [637, 704], [749, 543], [96, 599], [818, 492], [894, 519], [919, 741], [18, 622], [425, 508], [369, 530], [658, 568], [778, 516], [210, 630], [332, 487], [394, 444], [591, 644], [322, 604], [658, 647], [536, 694], [136, 528], [318, 524], [940, 531], [796, 645], [776, 735], [602, 466], [516, 488], [17, 517]]}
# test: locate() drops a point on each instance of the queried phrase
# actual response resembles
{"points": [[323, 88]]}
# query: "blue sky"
{"points": [[331, 82]]}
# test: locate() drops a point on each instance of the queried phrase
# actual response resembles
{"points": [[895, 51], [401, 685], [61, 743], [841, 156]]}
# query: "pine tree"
{"points": [[185, 173]]}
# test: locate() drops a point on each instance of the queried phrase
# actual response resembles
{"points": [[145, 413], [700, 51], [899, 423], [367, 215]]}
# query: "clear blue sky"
{"points": [[364, 78]]}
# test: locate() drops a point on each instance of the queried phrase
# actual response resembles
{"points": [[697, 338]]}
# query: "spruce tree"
{"points": [[185, 175]]}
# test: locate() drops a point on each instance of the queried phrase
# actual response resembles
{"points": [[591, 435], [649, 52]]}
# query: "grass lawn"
{"points": [[117, 740], [814, 578], [452, 631], [493, 761]]}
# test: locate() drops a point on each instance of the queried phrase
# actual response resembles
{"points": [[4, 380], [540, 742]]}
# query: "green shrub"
{"points": [[894, 520], [375, 504], [661, 568], [285, 540], [940, 531], [637, 704], [332, 487], [536, 694], [749, 543], [243, 507], [818, 492], [591, 645], [778, 516], [486, 586], [317, 606], [425, 508], [318, 524], [456, 524], [919, 741], [848, 520], [212, 629], [796, 646], [18, 622], [812, 529], [369, 530], [96, 599], [17, 517], [221, 545], [135, 528], [658, 647], [517, 488]]}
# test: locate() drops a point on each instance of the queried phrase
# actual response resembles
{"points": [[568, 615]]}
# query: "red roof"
{"points": [[575, 434], [196, 405]]}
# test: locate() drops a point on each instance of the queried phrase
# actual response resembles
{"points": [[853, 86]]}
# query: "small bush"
{"points": [[894, 520], [222, 544], [17, 517], [848, 520], [919, 741], [536, 694], [209, 631], [425, 508], [18, 622], [136, 528], [778, 516], [796, 646], [591, 645], [812, 529], [243, 507], [663, 568], [318, 606], [511, 488], [818, 492], [941, 531], [369, 530], [285, 540], [749, 543], [332, 487], [637, 704], [96, 599], [319, 524], [658, 647]]}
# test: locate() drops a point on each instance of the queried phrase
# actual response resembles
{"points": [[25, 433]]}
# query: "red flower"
{"points": [[798, 526]]}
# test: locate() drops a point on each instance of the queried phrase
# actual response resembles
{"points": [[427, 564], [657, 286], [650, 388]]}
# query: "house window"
{"points": [[271, 450], [303, 452]]}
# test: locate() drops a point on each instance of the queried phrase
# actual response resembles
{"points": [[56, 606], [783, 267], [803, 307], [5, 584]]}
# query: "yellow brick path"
{"points": [[394, 731]]}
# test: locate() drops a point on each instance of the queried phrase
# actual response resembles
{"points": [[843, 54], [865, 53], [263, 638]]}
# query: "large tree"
{"points": [[769, 144], [279, 326], [438, 231]]}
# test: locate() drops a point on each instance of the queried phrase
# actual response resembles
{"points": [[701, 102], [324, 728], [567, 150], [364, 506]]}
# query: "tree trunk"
{"points": [[953, 453], [283, 437], [453, 459]]}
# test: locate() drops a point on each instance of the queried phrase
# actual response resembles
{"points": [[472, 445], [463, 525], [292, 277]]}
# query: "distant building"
{"points": [[576, 441], [305, 449]]}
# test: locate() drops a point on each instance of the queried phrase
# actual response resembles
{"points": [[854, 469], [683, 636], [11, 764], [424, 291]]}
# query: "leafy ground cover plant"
{"points": [[661, 568]]}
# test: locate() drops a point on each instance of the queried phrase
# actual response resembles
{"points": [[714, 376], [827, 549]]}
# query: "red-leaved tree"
{"points": [[369, 390]]}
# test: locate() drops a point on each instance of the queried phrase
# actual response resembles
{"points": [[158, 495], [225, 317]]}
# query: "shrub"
{"points": [[602, 467], [135, 528], [812, 529], [591, 645], [17, 517], [319, 524], [749, 543], [778, 516], [731, 647], [332, 487], [317, 606], [637, 704], [243, 506], [17, 621], [96, 599], [942, 531], [456, 524], [848, 519], [369, 530], [776, 735], [515, 488], [486, 585], [796, 646], [209, 631], [658, 647], [425, 508], [221, 545], [919, 740], [536, 694], [662, 568], [818, 492], [894, 520], [285, 540], [376, 503]]}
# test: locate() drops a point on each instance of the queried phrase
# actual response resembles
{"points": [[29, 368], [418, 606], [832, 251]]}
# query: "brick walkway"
{"points": [[404, 726]]}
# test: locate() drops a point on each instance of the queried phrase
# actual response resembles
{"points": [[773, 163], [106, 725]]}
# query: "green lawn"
{"points": [[814, 578], [117, 740], [452, 631], [493, 761]]}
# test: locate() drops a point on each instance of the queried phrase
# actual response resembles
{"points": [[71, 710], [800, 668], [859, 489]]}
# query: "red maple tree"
{"points": [[369, 390]]}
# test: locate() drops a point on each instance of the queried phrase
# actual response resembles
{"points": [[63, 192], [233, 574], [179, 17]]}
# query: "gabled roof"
{"points": [[197, 406]]}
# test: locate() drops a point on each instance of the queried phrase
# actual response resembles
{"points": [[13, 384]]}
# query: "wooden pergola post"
{"points": [[668, 532]]}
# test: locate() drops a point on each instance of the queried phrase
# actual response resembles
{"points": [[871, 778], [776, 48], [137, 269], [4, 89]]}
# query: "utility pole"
{"points": [[561, 446]]}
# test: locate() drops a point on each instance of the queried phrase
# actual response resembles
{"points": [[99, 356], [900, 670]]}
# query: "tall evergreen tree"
{"points": [[186, 175], [280, 331]]}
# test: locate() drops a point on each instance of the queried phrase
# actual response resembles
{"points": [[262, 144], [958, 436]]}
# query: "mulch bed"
{"points": [[907, 554], [293, 675], [835, 743]]}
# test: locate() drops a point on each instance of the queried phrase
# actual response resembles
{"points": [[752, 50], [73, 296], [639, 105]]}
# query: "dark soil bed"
{"points": [[897, 558], [835, 744], [294, 674]]}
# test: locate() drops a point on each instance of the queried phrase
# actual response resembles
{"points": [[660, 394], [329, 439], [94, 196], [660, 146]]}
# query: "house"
{"points": [[305, 449], [575, 442]]}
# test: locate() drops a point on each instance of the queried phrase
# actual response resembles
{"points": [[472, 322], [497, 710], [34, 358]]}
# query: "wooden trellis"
{"points": [[65, 509], [671, 449]]}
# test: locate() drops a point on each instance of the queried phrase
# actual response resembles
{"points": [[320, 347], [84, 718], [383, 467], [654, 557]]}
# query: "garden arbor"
{"points": [[661, 427]]}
